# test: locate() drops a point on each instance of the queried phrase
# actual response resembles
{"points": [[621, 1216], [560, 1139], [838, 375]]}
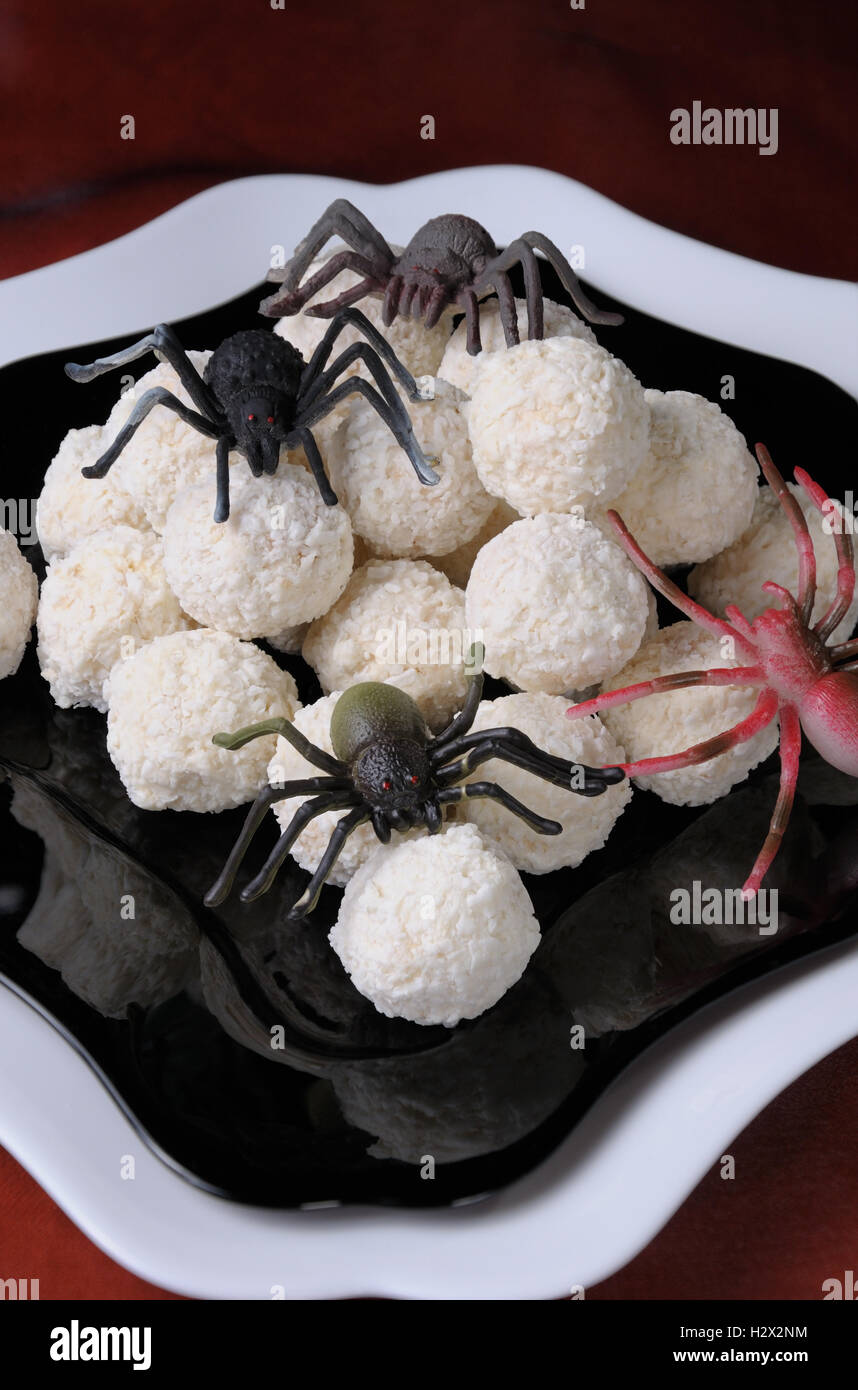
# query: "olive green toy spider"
{"points": [[388, 769]]}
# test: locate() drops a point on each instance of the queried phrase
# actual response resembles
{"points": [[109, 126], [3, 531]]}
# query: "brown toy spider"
{"points": [[450, 260], [802, 680]]}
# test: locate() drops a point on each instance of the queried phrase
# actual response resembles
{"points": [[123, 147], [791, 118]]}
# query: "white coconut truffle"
{"points": [[557, 604], [98, 604], [457, 564], [169, 699], [20, 591], [418, 348], [766, 551], [435, 929], [397, 620], [587, 820], [459, 367], [72, 507], [314, 722], [694, 494], [280, 559], [389, 507], [659, 725], [557, 424]]}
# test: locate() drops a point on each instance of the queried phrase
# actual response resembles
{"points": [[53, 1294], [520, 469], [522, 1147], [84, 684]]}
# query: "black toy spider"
{"points": [[450, 260], [257, 393], [388, 769]]}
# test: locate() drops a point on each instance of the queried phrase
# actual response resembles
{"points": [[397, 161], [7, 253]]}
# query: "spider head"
{"points": [[260, 423], [393, 776]]}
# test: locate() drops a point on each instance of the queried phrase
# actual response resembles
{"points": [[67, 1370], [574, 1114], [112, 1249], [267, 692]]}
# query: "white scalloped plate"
{"points": [[610, 1187]]}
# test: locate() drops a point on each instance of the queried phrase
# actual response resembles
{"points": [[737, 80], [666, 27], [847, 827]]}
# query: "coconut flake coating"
{"points": [[462, 370], [587, 820], [766, 551], [100, 603], [435, 929], [281, 558], [399, 621], [557, 424], [457, 564], [389, 507], [694, 494], [668, 723], [169, 699], [314, 721], [558, 605], [164, 455], [72, 507], [418, 348], [20, 591]]}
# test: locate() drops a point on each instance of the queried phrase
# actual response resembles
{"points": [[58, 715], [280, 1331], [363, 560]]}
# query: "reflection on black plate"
{"points": [[102, 927]]}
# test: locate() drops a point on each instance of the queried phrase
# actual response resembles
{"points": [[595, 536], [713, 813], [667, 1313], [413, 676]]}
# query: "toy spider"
{"points": [[807, 683], [450, 260], [257, 394], [388, 769]]}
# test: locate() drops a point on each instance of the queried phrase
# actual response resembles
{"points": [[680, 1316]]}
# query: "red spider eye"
{"points": [[385, 786], [251, 417], [271, 419], [414, 781]]}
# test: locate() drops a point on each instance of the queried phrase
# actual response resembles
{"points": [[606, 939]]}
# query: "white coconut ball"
{"points": [[72, 507], [557, 424], [459, 367], [390, 508], [169, 699], [397, 620], [435, 929], [287, 764], [418, 348], [164, 455], [99, 603], [695, 492], [556, 603], [766, 550], [280, 559], [659, 725], [20, 591], [457, 564], [587, 820]]}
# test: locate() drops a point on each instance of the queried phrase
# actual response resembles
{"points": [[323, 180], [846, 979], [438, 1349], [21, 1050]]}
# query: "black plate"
{"points": [[174, 1006]]}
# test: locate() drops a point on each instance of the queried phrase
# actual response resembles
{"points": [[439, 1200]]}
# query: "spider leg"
{"points": [[286, 729], [312, 378], [344, 827], [462, 722], [520, 250], [391, 300], [397, 422], [803, 541], [665, 586], [560, 772], [845, 568], [222, 887], [167, 348], [844, 652], [762, 714], [221, 511], [432, 816], [490, 789], [159, 395], [292, 298], [344, 220], [314, 458], [302, 817], [569, 280], [790, 749], [738, 675], [437, 303]]}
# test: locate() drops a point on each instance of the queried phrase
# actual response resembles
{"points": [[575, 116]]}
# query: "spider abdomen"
{"points": [[829, 717], [371, 711], [253, 360]]}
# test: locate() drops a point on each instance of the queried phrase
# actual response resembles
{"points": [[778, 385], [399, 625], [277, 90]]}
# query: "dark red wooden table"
{"points": [[220, 91]]}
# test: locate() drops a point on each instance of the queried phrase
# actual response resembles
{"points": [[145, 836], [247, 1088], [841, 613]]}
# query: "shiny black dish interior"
{"points": [[102, 926]]}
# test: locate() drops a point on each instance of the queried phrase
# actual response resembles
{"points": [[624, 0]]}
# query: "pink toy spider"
{"points": [[810, 685]]}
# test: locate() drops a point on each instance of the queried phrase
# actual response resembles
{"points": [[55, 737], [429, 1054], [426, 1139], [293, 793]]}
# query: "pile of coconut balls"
{"points": [[152, 613]]}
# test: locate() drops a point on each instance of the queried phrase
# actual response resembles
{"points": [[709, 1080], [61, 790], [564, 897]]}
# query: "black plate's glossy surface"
{"points": [[175, 1005]]}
